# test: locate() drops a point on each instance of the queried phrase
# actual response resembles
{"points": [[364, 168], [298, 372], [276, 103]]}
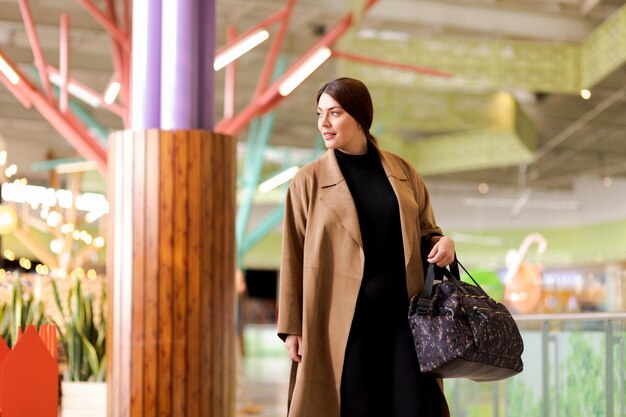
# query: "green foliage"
{"points": [[23, 310], [520, 400], [83, 335], [489, 281], [583, 393]]}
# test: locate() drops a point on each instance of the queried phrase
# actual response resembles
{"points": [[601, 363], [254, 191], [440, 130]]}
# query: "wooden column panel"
{"points": [[171, 259]]}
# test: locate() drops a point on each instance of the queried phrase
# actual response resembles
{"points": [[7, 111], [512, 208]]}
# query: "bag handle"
{"points": [[454, 266], [434, 271]]}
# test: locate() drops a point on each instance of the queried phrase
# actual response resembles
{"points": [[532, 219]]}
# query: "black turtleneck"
{"points": [[380, 372], [378, 212]]}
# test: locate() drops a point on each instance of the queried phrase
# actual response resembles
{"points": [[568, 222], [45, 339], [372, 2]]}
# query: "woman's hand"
{"points": [[442, 254], [293, 344]]}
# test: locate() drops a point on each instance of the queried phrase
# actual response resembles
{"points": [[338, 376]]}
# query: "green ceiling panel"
{"points": [[465, 151], [452, 133], [434, 111], [493, 65], [604, 49], [477, 65], [467, 122]]}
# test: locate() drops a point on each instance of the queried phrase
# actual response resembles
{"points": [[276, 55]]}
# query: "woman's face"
{"points": [[339, 129]]}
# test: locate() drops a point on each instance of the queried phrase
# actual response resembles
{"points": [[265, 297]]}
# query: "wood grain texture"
{"points": [[194, 274], [171, 273], [218, 270], [207, 297], [126, 281], [166, 241], [151, 306], [139, 274], [180, 276]]}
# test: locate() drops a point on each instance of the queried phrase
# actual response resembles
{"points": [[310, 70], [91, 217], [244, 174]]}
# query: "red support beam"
{"points": [[272, 56], [263, 24], [107, 23], [127, 23], [396, 65], [270, 98], [35, 46], [64, 123], [116, 48], [113, 108], [64, 61], [14, 88]]}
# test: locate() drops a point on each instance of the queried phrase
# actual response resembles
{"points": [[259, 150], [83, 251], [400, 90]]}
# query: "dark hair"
{"points": [[354, 97]]}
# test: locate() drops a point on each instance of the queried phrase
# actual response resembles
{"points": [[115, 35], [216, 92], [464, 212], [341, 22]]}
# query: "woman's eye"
{"points": [[335, 113]]}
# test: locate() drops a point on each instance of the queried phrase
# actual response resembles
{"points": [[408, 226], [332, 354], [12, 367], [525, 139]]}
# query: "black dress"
{"points": [[380, 374]]}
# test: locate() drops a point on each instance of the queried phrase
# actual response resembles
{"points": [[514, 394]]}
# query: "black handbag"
{"points": [[461, 332]]}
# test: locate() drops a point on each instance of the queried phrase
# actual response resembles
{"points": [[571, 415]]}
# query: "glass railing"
{"points": [[573, 367]]}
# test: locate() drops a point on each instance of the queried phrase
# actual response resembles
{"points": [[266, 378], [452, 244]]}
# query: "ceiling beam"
{"points": [[587, 6], [47, 13], [485, 19], [578, 124]]}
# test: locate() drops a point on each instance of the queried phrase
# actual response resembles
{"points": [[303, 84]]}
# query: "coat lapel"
{"points": [[406, 200], [335, 194]]}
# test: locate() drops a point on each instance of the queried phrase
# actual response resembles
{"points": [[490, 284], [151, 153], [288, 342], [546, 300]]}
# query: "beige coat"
{"points": [[322, 268]]}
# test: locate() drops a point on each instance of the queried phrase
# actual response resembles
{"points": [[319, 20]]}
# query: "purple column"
{"points": [[188, 44], [146, 65], [206, 82]]}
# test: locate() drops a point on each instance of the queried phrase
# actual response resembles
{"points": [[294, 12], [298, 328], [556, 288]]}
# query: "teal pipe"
{"points": [[268, 224], [259, 136], [98, 131]]}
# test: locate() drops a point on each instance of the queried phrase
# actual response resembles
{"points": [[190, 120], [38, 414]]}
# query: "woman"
{"points": [[354, 220]]}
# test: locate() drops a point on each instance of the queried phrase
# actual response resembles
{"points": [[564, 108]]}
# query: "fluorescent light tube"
{"points": [[240, 48], [72, 167], [112, 91], [306, 69], [77, 91], [9, 72], [279, 179]]}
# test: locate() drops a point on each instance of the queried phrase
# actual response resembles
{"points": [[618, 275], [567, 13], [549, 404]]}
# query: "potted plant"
{"points": [[82, 334], [22, 311]]}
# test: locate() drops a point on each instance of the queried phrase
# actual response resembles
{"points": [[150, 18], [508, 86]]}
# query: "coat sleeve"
{"points": [[292, 260], [426, 216]]}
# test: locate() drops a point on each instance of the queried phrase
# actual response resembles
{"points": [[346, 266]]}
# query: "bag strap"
{"points": [[468, 274], [433, 272], [423, 302]]}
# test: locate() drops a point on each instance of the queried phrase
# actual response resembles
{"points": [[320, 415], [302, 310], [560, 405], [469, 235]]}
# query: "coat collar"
{"points": [[330, 173], [336, 195]]}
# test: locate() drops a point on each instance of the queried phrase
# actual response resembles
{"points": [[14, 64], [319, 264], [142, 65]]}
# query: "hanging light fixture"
{"points": [[77, 91], [303, 71], [111, 92], [9, 72], [279, 179], [238, 49]]}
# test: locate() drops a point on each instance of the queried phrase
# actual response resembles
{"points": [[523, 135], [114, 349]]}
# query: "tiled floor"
{"points": [[262, 387]]}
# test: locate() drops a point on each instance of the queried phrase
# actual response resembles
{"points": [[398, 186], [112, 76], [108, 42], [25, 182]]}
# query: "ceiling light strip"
{"points": [[78, 91], [240, 48], [279, 179], [303, 71], [9, 72]]}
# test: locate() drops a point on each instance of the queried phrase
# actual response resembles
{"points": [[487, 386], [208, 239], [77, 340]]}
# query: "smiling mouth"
{"points": [[329, 135]]}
